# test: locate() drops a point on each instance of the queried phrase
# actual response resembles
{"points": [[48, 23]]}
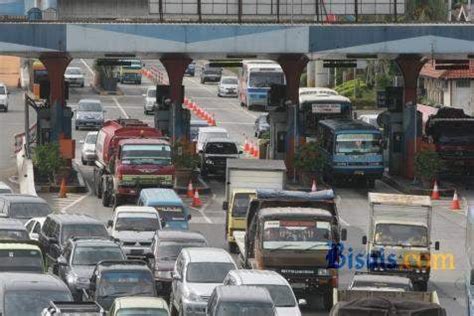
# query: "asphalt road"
{"points": [[449, 227]]}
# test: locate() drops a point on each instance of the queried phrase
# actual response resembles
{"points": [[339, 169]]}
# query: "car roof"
{"points": [[151, 88], [24, 198], [212, 129], [321, 96], [99, 242], [294, 212], [89, 101], [207, 254], [34, 281], [11, 224], [135, 209], [143, 141], [72, 67], [220, 140], [18, 246], [74, 219], [250, 294], [138, 302], [377, 278], [229, 77], [179, 235], [199, 123], [162, 196], [127, 265], [255, 277], [92, 133]]}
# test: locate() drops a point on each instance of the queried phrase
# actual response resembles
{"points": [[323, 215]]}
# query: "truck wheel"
{"points": [[105, 199], [204, 172], [327, 301], [233, 247], [370, 183], [421, 286]]}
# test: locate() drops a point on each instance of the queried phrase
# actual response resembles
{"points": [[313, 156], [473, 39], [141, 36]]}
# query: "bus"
{"points": [[321, 103], [469, 276], [130, 71], [351, 149], [255, 80]]}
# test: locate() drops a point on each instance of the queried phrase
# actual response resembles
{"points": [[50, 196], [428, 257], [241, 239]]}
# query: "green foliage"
{"points": [[426, 11], [309, 159], [48, 161], [365, 96], [184, 156], [428, 164]]}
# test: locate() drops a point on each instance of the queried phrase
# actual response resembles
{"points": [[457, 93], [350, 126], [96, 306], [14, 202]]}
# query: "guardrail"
{"points": [[26, 176]]}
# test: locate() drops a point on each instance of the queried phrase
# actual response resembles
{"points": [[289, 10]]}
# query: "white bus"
{"points": [[255, 80]]}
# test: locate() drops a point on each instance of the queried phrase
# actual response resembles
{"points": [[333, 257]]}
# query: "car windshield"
{"points": [[152, 93], [90, 255], [354, 144], [363, 284], [401, 235], [282, 295], [169, 213], [265, 79], [169, 251], [296, 234], [137, 222], [90, 107], [32, 302], [83, 230], [142, 312], [21, 260], [212, 70], [91, 138], [221, 148], [208, 272], [14, 234], [29, 210], [241, 204], [5, 191], [245, 309], [146, 154], [2, 90], [231, 81], [126, 283], [73, 71]]}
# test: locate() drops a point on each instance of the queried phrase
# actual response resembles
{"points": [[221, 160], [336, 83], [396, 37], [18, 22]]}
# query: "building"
{"points": [[449, 87]]}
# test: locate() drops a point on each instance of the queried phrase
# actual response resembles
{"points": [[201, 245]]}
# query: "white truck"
{"points": [[399, 237]]}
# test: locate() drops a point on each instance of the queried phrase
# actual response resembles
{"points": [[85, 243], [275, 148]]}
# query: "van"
{"points": [[173, 212], [206, 133]]}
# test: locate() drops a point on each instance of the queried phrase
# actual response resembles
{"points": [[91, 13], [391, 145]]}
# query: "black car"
{"points": [[12, 229], [59, 228], [114, 278], [215, 153], [209, 73], [23, 207], [166, 246], [79, 258], [261, 125]]}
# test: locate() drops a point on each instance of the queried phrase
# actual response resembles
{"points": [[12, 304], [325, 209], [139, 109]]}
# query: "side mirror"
{"points": [[62, 261], [150, 256], [189, 217], [343, 234], [225, 205], [437, 245], [201, 151], [240, 152], [81, 142], [144, 95], [302, 302], [364, 240], [110, 223], [175, 276]]}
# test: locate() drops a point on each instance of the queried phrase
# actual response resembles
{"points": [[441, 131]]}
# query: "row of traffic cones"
{"points": [[194, 194], [455, 204], [200, 112], [251, 148]]}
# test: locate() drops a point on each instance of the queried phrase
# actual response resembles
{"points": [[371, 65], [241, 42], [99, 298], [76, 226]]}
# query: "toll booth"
{"points": [[170, 118]]}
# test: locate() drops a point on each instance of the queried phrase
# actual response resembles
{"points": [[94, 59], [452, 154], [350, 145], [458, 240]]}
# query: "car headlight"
{"points": [[194, 297], [323, 272], [163, 274], [209, 162]]}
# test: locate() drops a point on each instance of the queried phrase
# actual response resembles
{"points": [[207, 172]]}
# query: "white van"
{"points": [[206, 133]]}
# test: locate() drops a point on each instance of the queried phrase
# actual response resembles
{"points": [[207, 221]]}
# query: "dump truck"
{"points": [[367, 302], [73, 308], [292, 233], [243, 178], [399, 237], [130, 155]]}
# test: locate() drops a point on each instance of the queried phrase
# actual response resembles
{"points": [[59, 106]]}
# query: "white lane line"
{"points": [[344, 222], [205, 206], [64, 209], [87, 66], [338, 201], [120, 107]]}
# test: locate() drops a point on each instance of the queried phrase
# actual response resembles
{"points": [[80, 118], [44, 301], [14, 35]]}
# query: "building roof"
{"points": [[429, 71]]}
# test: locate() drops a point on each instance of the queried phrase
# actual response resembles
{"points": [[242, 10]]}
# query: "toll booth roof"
{"points": [[256, 164]]}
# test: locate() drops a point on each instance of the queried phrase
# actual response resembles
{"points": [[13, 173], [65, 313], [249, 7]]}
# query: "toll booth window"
{"points": [[296, 234], [281, 139]]}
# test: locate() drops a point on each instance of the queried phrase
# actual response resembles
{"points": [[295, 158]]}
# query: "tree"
{"points": [[426, 11]]}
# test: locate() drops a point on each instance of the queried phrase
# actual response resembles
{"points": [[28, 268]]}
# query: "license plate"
{"points": [[136, 252], [359, 173]]}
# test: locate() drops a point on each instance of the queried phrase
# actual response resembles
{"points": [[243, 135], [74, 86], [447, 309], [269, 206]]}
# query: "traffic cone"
{"points": [[190, 192], [209, 118], [213, 120], [63, 189], [191, 105], [246, 145], [256, 151], [435, 193], [251, 149], [455, 203], [313, 187], [196, 200]]}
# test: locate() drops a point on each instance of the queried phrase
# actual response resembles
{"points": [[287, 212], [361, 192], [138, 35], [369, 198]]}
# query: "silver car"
{"points": [[74, 76], [150, 100], [197, 272], [227, 87], [89, 114], [88, 148]]}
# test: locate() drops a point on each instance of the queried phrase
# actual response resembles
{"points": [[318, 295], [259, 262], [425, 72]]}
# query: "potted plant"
{"points": [[48, 163], [309, 163], [428, 164], [185, 160]]}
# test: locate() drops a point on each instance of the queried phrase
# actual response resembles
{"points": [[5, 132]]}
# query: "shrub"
{"points": [[428, 164], [48, 161]]}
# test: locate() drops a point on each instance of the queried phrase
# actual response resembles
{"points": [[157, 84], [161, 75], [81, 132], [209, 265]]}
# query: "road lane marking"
{"points": [[67, 207], [205, 206], [87, 66], [344, 222], [120, 108], [338, 201]]}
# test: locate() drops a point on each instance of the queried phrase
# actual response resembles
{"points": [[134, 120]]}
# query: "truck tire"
{"points": [[421, 286], [327, 301], [97, 184], [105, 199], [370, 183], [233, 247]]}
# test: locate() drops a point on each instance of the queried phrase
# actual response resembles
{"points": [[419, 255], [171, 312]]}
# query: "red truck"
{"points": [[130, 156]]}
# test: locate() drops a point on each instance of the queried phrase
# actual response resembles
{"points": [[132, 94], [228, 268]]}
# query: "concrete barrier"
{"points": [[26, 176]]}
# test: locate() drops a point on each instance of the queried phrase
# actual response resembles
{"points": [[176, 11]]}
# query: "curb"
{"points": [[104, 92], [445, 192], [81, 188], [203, 188]]}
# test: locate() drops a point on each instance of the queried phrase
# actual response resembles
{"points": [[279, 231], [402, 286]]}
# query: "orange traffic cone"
{"points": [[455, 205], [251, 149], [190, 192], [196, 200], [63, 189], [213, 120], [246, 145], [313, 187], [435, 193], [256, 151]]}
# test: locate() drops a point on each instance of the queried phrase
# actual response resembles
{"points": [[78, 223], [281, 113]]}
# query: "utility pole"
{"points": [[450, 5]]}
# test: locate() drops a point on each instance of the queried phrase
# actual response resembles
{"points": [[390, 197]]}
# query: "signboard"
{"points": [[322, 108]]}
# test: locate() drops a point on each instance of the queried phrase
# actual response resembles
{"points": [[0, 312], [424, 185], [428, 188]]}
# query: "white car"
{"points": [[5, 188], [150, 100], [206, 133], [278, 287], [227, 87], [33, 226], [4, 97], [197, 272], [88, 148], [74, 76]]}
